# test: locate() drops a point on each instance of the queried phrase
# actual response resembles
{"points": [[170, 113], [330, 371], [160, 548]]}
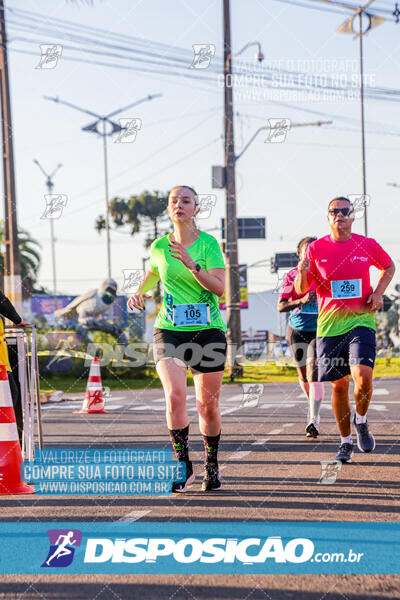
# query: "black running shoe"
{"points": [[312, 429], [345, 453], [365, 439], [211, 480], [182, 486]]}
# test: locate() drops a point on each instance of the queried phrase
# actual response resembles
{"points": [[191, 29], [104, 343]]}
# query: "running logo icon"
{"points": [[206, 204], [128, 130], [203, 54], [55, 204], [50, 53], [329, 471], [278, 129], [251, 394], [62, 542]]}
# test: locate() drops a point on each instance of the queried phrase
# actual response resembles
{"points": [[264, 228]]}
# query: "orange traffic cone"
{"points": [[10, 450], [93, 401]]}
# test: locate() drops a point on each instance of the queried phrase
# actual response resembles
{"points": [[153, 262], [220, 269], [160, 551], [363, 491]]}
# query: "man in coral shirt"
{"points": [[339, 264]]}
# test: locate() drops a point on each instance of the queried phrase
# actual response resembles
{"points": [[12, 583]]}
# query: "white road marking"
{"points": [[230, 410], [273, 432], [238, 455], [280, 405], [64, 405], [113, 407], [376, 392], [392, 401], [233, 398], [141, 407], [135, 515], [288, 425], [378, 407]]}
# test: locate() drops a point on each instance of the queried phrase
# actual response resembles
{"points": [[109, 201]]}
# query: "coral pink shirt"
{"points": [[341, 271]]}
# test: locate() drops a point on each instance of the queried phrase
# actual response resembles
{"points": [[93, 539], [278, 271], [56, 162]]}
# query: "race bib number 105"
{"points": [[186, 315]]}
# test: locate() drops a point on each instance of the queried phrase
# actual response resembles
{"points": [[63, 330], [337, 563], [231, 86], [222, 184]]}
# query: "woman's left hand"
{"points": [[179, 251]]}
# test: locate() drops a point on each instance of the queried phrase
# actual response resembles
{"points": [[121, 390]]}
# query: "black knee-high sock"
{"points": [[211, 448], [179, 438]]}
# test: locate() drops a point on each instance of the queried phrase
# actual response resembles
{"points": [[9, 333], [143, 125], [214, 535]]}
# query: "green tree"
{"points": [[30, 259], [136, 212]]}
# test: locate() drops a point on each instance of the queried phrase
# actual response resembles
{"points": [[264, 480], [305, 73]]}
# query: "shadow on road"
{"points": [[82, 591]]}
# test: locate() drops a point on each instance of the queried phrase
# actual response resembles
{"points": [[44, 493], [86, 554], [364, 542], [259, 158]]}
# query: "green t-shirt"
{"points": [[180, 285]]}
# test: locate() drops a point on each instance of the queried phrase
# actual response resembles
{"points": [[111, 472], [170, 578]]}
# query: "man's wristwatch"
{"points": [[196, 268]]}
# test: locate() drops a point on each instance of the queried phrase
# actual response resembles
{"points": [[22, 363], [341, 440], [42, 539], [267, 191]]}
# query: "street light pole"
{"points": [[267, 128], [348, 27], [50, 185], [92, 127], [364, 184], [234, 332], [12, 262], [107, 218]]}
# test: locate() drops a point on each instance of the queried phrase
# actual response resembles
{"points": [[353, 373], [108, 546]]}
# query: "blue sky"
{"points": [[289, 183]]}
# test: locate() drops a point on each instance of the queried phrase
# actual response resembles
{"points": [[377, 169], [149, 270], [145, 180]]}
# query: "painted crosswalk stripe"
{"points": [[376, 392], [233, 398], [281, 405], [238, 455], [135, 515]]}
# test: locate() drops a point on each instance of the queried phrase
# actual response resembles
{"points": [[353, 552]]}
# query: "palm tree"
{"points": [[30, 259]]}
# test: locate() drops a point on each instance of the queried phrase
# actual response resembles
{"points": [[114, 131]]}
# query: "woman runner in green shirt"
{"points": [[189, 330]]}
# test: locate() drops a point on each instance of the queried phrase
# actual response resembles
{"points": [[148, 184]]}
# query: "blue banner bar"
{"points": [[201, 547]]}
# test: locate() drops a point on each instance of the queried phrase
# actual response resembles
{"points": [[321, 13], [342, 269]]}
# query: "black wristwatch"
{"points": [[197, 268]]}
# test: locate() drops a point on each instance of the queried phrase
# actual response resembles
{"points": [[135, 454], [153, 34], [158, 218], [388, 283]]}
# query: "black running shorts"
{"points": [[302, 348], [203, 350]]}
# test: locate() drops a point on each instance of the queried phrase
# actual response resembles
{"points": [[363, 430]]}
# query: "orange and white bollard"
{"points": [[93, 401], [10, 450]]}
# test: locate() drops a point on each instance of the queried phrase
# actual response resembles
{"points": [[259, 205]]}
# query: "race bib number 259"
{"points": [[346, 288]]}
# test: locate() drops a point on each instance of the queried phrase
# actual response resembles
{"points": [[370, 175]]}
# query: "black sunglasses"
{"points": [[345, 211]]}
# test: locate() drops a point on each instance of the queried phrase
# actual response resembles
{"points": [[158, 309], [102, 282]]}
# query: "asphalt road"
{"points": [[270, 471]]}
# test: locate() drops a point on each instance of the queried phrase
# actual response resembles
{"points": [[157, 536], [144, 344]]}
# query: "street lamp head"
{"points": [[259, 56]]}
